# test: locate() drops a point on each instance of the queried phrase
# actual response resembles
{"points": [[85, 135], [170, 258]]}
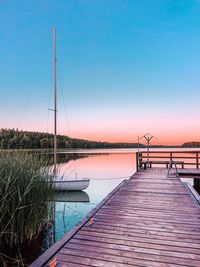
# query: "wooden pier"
{"points": [[149, 220]]}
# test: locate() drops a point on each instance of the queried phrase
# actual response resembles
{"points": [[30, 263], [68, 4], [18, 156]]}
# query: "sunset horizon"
{"points": [[123, 69], [114, 139]]}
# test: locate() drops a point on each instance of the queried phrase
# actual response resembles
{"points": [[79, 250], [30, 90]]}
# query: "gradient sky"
{"points": [[125, 67]]}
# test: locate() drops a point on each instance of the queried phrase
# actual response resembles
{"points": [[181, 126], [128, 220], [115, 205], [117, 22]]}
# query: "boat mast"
{"points": [[55, 103]]}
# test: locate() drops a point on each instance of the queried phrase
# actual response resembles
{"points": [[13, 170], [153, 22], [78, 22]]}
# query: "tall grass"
{"points": [[25, 190]]}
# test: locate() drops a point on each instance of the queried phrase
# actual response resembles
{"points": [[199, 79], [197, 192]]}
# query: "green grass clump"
{"points": [[25, 190]]}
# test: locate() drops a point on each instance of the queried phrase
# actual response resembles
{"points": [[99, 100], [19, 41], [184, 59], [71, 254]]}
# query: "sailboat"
{"points": [[62, 183]]}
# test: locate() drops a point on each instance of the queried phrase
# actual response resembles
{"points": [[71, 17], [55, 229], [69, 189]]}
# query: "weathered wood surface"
{"points": [[187, 172], [150, 220]]}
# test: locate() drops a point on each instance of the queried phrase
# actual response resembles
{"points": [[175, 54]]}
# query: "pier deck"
{"points": [[149, 220]]}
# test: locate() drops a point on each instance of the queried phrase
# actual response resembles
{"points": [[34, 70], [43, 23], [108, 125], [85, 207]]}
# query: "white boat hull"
{"points": [[71, 185]]}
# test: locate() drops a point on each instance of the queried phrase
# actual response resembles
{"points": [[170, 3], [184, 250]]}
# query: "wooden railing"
{"points": [[181, 158]]}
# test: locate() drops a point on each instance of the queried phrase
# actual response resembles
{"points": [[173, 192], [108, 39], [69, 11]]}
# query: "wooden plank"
{"points": [[147, 246], [125, 252], [152, 214], [122, 255], [142, 239], [157, 208], [116, 259], [153, 226], [96, 261], [159, 221], [146, 234]]}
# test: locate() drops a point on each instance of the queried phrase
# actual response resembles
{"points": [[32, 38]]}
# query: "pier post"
{"points": [[137, 163], [197, 160]]}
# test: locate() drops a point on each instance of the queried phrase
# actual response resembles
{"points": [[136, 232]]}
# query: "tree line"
{"points": [[191, 144], [18, 139]]}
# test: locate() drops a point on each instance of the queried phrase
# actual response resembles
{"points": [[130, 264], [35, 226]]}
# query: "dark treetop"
{"points": [[18, 139]]}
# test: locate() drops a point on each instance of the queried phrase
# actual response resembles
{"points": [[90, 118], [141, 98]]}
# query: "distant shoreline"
{"points": [[14, 139]]}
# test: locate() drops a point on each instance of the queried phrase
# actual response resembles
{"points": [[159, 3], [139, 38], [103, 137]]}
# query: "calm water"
{"points": [[106, 169]]}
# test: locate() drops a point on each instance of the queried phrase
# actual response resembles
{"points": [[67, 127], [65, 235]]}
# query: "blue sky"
{"points": [[124, 67]]}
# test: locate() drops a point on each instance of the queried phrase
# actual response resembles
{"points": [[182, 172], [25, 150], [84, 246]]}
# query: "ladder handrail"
{"points": [[170, 167]]}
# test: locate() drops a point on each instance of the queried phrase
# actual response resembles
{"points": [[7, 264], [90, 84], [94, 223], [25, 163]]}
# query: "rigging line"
{"points": [[64, 106], [65, 110], [111, 178], [66, 120], [48, 111], [47, 121], [104, 179], [69, 172], [69, 168], [65, 216], [58, 126], [31, 91], [74, 210], [27, 103]]}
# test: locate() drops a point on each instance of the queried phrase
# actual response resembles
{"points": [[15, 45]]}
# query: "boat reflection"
{"points": [[70, 196]]}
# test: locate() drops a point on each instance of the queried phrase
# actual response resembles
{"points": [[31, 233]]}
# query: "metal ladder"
{"points": [[170, 167]]}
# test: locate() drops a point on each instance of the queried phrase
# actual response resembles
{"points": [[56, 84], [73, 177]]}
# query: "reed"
{"points": [[25, 190]]}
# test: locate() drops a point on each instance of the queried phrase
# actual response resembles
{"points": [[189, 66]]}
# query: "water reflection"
{"points": [[69, 214], [70, 196], [100, 166]]}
